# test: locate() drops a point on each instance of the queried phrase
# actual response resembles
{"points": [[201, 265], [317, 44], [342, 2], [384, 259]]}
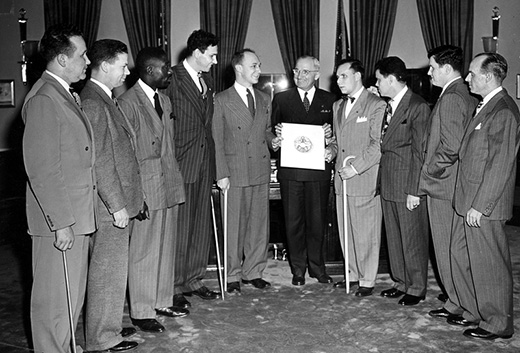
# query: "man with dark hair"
{"points": [[242, 134], [61, 200], [441, 145], [405, 213], [305, 192], [191, 93], [357, 127], [484, 195], [152, 242], [120, 198]]}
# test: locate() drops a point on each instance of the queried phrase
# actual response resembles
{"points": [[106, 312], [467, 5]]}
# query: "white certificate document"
{"points": [[303, 146]]}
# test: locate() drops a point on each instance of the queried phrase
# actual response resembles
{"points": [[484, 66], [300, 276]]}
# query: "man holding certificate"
{"points": [[305, 191]]}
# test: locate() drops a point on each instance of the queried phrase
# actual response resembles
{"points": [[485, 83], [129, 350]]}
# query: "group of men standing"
{"points": [[127, 183]]}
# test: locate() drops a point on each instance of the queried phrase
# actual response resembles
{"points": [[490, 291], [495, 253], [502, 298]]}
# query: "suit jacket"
{"points": [[401, 148], [448, 121], [194, 146], [359, 135], [59, 156], [160, 174], [241, 141], [117, 169], [288, 108], [487, 168]]}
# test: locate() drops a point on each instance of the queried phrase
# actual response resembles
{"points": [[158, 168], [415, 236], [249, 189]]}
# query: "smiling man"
{"points": [[242, 134]]}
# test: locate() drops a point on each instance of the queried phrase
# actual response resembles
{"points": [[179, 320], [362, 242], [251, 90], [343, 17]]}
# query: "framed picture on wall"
{"points": [[6, 93]]}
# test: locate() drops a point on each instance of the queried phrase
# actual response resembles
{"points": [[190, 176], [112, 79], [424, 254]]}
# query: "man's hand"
{"points": [[64, 239], [328, 130], [473, 218], [374, 90], [347, 172], [328, 155], [121, 218], [223, 184], [412, 202], [278, 130]]}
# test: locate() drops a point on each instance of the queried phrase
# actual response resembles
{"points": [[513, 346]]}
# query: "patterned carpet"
{"points": [[314, 318]]}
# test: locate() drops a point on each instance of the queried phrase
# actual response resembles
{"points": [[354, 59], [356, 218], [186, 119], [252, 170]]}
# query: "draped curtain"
{"points": [[297, 25], [84, 14], [448, 22], [371, 28], [228, 20], [147, 23]]}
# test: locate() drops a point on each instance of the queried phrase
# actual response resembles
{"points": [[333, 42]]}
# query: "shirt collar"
{"points": [[394, 102], [357, 94], [490, 95], [60, 80], [242, 91], [103, 86], [147, 90], [193, 74], [449, 83], [310, 93]]}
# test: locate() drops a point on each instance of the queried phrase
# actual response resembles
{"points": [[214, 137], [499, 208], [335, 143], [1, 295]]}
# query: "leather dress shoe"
{"points": [[409, 299], [324, 278], [440, 313], [364, 291], [392, 293], [128, 331], [172, 311], [298, 281], [233, 287], [483, 334], [180, 302], [204, 293], [257, 283], [459, 320], [343, 284], [442, 297], [123, 346], [148, 325]]}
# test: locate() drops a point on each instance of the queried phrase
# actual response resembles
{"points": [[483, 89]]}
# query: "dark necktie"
{"points": [[75, 95], [477, 109], [203, 85], [306, 103], [250, 103], [158, 107], [386, 118]]}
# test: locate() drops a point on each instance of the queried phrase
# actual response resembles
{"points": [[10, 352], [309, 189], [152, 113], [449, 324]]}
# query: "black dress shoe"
{"points": [[409, 299], [206, 294], [148, 325], [324, 278], [442, 297], [343, 284], [392, 293], [172, 311], [257, 283], [364, 291], [298, 281], [440, 313], [180, 302], [459, 320], [233, 287], [128, 331], [123, 346], [483, 334]]}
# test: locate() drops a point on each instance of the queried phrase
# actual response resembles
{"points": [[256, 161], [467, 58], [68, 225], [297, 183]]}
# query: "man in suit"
{"points": [[120, 197], [357, 127], [441, 146], [58, 151], [305, 192], [152, 242], [191, 93], [483, 201], [405, 213], [242, 135]]}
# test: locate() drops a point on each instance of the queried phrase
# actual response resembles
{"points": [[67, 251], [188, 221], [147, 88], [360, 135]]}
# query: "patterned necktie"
{"points": [[306, 103], [250, 103], [75, 95], [203, 85], [158, 107], [479, 106], [386, 118]]}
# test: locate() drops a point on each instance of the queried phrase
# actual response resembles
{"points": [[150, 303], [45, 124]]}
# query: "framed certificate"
{"points": [[303, 146]]}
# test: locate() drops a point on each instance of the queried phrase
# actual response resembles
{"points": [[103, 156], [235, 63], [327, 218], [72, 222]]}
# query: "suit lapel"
{"points": [[151, 118], [237, 105], [191, 90], [400, 113]]}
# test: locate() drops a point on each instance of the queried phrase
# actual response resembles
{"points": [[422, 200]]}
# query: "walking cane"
{"points": [[219, 268], [345, 232], [69, 303], [225, 236]]}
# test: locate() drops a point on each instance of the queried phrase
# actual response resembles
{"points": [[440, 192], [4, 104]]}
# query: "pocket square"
{"points": [[361, 119], [478, 126]]}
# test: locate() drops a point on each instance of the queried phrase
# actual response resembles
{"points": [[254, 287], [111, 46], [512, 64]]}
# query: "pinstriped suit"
{"points": [[119, 186], [359, 135], [441, 145], [152, 243], [401, 161], [486, 180], [242, 155], [195, 152]]}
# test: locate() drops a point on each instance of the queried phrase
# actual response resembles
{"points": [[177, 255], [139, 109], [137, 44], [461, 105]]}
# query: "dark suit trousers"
{"points": [[106, 286], [408, 240], [49, 313], [194, 235], [305, 210], [482, 273]]}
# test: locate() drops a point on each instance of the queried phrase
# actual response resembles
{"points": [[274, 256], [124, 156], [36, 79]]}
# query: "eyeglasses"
{"points": [[297, 72]]}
